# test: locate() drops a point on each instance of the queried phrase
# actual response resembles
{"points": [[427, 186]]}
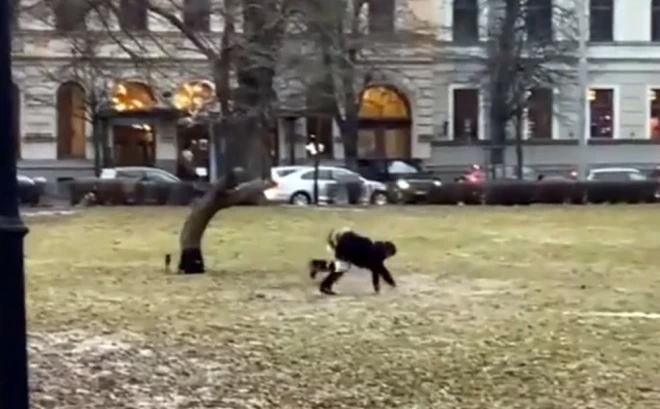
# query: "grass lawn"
{"points": [[496, 308]]}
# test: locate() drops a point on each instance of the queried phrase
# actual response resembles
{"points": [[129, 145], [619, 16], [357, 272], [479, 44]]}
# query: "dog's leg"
{"points": [[381, 271], [387, 276], [375, 280], [337, 270]]}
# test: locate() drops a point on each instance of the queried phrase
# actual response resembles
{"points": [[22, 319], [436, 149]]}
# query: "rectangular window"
{"points": [[466, 114], [654, 113], [197, 15], [539, 113], [465, 27], [133, 15], [538, 20], [601, 112], [69, 15], [381, 16], [655, 21], [601, 21]]}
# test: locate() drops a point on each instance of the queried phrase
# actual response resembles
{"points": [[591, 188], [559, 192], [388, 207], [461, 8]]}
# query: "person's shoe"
{"points": [[327, 291]]}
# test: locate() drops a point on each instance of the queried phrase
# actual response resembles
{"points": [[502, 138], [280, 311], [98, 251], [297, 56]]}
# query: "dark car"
{"points": [[156, 186], [406, 179], [30, 190]]}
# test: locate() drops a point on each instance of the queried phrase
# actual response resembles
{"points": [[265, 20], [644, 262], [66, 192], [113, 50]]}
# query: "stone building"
{"points": [[418, 103]]}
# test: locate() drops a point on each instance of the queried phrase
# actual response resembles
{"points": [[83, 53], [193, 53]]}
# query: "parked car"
{"points": [[616, 174], [406, 179], [142, 173], [295, 185], [146, 174], [655, 174], [30, 190]]}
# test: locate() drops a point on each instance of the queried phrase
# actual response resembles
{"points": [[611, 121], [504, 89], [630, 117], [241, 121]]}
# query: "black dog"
{"points": [[349, 249]]}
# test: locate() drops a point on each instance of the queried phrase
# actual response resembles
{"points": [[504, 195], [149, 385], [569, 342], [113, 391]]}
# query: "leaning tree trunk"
{"points": [[227, 192]]}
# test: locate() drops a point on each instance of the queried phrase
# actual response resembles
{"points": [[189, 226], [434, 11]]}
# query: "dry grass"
{"points": [[492, 311]]}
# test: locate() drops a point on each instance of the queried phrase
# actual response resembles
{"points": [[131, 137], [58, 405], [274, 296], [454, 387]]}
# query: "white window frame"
{"points": [[481, 110], [615, 108], [647, 109], [555, 119]]}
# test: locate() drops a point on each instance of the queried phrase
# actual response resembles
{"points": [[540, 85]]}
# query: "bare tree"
{"points": [[531, 47], [346, 42], [239, 60]]}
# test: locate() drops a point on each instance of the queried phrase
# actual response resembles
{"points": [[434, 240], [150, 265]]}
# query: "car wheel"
{"points": [[379, 198], [300, 199]]}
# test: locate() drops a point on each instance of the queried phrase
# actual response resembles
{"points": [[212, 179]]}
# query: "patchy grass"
{"points": [[496, 308]]}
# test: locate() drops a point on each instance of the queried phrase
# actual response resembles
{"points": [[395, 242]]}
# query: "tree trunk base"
{"points": [[191, 261]]}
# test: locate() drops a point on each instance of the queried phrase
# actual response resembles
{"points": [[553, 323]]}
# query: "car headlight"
{"points": [[402, 184], [40, 179], [437, 183]]}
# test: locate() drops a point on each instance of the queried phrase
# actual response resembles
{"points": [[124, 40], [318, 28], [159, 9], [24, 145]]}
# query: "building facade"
{"points": [[622, 109], [417, 101]]}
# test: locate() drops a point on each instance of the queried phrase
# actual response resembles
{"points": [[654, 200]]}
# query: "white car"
{"points": [[616, 174], [295, 185]]}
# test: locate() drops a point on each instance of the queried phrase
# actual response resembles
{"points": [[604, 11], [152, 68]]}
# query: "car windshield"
{"points": [[284, 172], [161, 175], [613, 176], [401, 167]]}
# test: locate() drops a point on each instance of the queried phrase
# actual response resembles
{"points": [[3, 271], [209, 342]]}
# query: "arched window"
{"points": [[385, 123], [71, 121], [132, 96], [383, 103], [16, 117]]}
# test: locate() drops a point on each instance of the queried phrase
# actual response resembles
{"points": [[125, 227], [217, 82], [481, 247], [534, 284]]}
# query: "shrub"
{"points": [[643, 191], [443, 195], [455, 193], [510, 193], [554, 192]]}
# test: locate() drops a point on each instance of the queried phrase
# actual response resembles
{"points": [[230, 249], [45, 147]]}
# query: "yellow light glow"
{"points": [[132, 96], [383, 103], [193, 95]]}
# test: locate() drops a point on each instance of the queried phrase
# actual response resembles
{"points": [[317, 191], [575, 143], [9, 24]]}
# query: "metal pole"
{"points": [[213, 153], [13, 337], [583, 127]]}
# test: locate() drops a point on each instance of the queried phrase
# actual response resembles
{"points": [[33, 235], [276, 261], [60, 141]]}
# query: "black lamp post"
{"points": [[13, 339], [315, 148]]}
